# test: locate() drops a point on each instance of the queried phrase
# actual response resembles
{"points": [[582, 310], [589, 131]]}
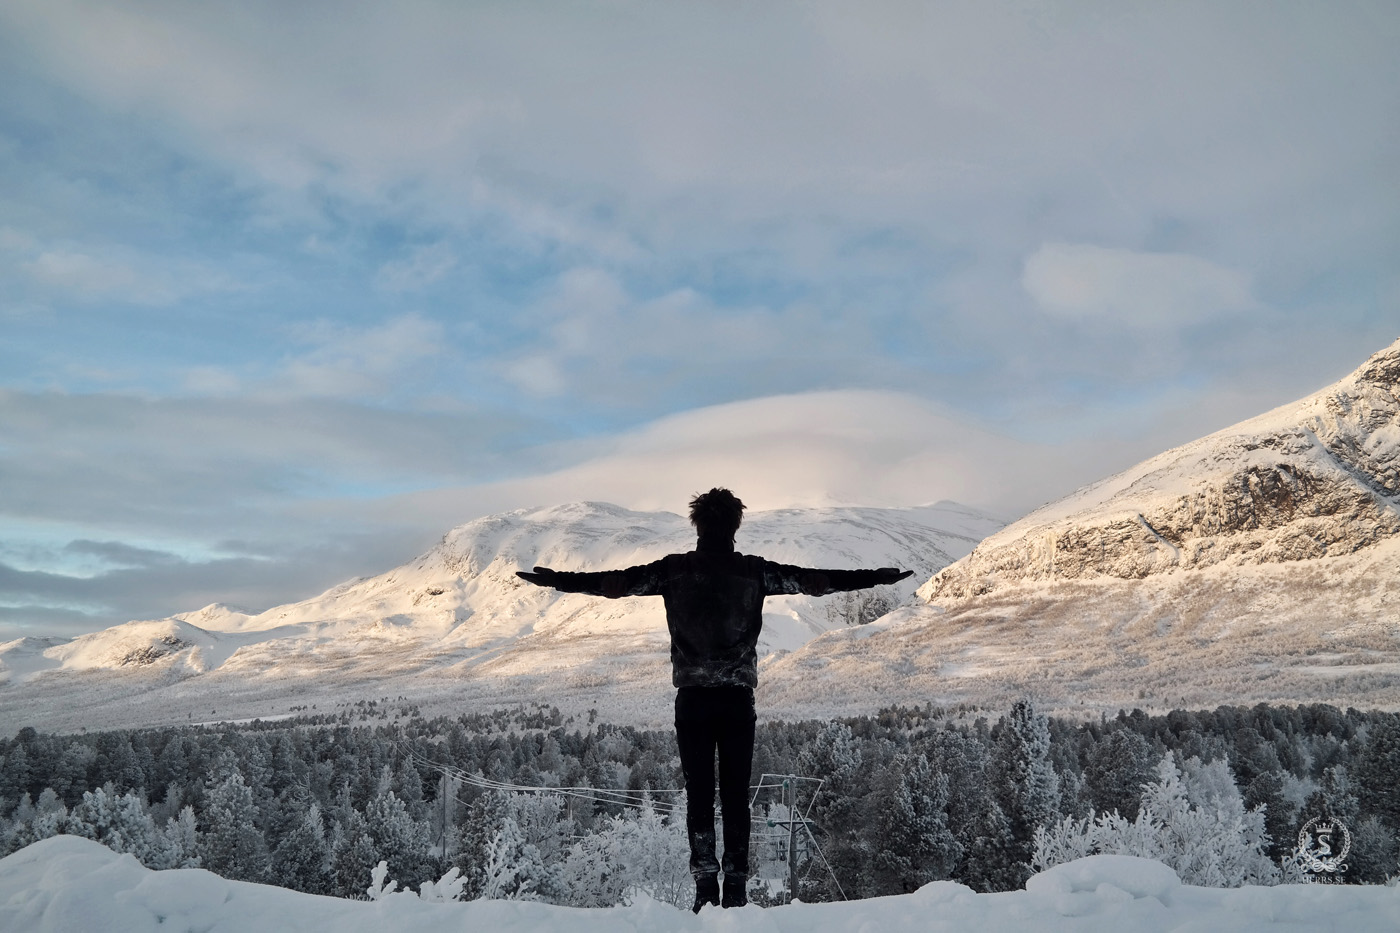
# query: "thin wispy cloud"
{"points": [[1078, 280]]}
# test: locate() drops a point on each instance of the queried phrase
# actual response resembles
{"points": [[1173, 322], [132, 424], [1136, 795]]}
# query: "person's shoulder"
{"points": [[751, 562]]}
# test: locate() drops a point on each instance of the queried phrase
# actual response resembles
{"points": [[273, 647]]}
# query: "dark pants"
{"points": [[710, 719]]}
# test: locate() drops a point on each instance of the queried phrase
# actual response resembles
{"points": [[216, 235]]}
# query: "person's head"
{"points": [[716, 514]]}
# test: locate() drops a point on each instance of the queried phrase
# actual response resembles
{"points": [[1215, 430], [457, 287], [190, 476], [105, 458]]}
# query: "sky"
{"points": [[289, 290]]}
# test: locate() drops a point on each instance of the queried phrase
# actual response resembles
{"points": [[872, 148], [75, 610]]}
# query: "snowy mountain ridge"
{"points": [[1258, 564], [1318, 477], [458, 614]]}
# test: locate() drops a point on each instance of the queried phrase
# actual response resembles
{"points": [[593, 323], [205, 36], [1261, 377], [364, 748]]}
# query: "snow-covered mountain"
{"points": [[1259, 563], [456, 624], [1317, 478]]}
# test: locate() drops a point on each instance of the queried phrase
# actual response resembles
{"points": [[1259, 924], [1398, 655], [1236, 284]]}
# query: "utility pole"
{"points": [[445, 794], [790, 793]]}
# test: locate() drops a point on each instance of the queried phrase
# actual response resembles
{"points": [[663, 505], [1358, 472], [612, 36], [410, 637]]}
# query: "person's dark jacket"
{"points": [[714, 604]]}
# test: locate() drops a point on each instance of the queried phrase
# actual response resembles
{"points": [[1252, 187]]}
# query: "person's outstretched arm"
{"points": [[785, 578], [641, 580]]}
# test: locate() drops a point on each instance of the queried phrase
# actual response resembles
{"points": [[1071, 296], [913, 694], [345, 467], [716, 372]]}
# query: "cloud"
{"points": [[671, 125], [846, 447], [1079, 280], [357, 362], [88, 278], [422, 267], [97, 274], [337, 361], [593, 339], [118, 553]]}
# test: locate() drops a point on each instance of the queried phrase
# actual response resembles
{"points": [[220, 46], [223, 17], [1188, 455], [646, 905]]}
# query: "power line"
{"points": [[643, 798]]}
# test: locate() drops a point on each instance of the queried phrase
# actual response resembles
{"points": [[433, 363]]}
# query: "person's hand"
{"points": [[542, 576], [892, 574]]}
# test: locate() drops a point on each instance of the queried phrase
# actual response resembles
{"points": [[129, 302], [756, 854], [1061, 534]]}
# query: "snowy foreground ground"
{"points": [[67, 884]]}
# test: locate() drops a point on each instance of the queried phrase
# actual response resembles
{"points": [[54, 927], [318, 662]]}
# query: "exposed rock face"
{"points": [[1317, 478]]}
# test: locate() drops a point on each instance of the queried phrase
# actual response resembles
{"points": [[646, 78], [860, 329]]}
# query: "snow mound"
{"points": [[1115, 878], [67, 884]]}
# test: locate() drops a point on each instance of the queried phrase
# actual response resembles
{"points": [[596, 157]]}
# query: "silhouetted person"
{"points": [[714, 610]]}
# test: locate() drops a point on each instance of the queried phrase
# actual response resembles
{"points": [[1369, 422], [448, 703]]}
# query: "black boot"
{"points": [[706, 891], [736, 890]]}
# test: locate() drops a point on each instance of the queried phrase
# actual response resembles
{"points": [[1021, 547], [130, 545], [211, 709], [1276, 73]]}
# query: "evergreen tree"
{"points": [[834, 755], [1266, 792], [1117, 768], [231, 844], [182, 840], [399, 840], [915, 844], [122, 823], [16, 774], [1024, 783], [1377, 769], [302, 860], [993, 860], [475, 834], [353, 857]]}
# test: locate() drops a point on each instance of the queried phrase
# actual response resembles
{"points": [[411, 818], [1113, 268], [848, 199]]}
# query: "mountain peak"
{"points": [[1314, 478]]}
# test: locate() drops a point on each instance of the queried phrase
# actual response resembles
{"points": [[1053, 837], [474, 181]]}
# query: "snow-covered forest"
{"points": [[908, 796]]}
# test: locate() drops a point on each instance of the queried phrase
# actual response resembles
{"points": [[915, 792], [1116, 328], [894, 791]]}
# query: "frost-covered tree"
{"points": [[1023, 780], [1117, 768], [400, 840], [1376, 771], [30, 823], [639, 853], [1213, 843], [510, 868], [302, 859], [353, 856], [182, 839], [230, 843], [916, 845], [532, 826], [118, 821], [408, 786], [991, 862], [838, 809]]}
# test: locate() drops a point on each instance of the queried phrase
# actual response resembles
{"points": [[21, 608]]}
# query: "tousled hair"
{"points": [[717, 512]]}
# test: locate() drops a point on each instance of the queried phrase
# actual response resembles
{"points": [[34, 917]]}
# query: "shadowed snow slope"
{"points": [[1261, 563], [71, 885], [456, 625]]}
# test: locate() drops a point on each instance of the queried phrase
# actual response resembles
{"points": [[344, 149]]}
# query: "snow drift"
{"points": [[67, 884]]}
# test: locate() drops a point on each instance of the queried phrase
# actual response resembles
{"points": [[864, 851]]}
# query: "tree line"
{"points": [[908, 796]]}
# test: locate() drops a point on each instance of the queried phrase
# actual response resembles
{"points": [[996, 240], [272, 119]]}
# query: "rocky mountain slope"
{"points": [[457, 626], [1260, 563], [1317, 478]]}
